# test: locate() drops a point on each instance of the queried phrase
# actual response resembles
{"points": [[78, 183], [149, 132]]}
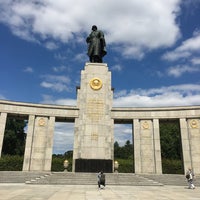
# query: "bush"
{"points": [[57, 164], [168, 166], [11, 163], [172, 166], [125, 165]]}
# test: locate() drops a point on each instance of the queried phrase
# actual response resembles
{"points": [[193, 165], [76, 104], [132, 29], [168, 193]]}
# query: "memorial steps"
{"points": [[19, 176], [70, 178], [171, 179]]}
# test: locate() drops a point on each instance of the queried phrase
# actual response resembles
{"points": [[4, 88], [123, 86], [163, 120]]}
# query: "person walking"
{"points": [[101, 180], [190, 177]]}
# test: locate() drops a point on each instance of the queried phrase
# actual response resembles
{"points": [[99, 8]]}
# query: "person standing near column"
{"points": [[190, 177]]}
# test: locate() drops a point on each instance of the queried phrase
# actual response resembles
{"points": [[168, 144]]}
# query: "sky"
{"points": [[153, 53]]}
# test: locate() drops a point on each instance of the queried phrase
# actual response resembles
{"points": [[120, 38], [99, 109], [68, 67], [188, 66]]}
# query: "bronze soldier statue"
{"points": [[96, 45]]}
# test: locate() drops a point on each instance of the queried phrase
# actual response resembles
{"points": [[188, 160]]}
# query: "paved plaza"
{"points": [[91, 192]]}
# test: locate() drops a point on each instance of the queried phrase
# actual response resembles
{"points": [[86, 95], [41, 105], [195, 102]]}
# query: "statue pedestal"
{"points": [[93, 139]]}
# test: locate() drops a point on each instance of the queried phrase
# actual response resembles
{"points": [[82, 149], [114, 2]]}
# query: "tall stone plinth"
{"points": [[93, 139]]}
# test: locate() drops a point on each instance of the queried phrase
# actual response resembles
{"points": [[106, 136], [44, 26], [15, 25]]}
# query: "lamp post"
{"points": [[65, 164], [116, 166]]}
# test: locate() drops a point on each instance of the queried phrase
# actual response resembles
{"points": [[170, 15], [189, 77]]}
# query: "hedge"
{"points": [[11, 163], [15, 163]]}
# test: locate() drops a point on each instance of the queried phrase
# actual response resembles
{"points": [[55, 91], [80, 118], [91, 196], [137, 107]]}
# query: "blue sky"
{"points": [[153, 51]]}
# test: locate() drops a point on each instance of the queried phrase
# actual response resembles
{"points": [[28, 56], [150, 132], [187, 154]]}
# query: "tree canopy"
{"points": [[14, 137], [170, 140]]}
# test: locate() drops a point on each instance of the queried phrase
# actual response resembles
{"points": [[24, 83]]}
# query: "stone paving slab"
{"points": [[91, 192]]}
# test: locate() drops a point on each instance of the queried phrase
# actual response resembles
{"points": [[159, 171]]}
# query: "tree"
{"points": [[128, 149], [14, 137], [170, 140], [125, 151], [117, 150]]}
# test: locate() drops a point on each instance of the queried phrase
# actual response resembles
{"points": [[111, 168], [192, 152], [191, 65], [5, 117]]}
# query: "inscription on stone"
{"points": [[95, 109], [94, 136]]}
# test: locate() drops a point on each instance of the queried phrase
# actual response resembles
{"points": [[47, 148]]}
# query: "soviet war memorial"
{"points": [[94, 118], [99, 101]]}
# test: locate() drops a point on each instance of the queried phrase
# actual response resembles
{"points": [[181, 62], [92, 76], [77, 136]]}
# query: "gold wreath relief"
{"points": [[41, 121], [145, 125], [96, 84], [194, 123]]}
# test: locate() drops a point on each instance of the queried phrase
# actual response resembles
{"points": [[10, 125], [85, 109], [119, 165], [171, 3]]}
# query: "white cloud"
{"points": [[63, 137], [185, 50], [51, 45], [47, 99], [81, 57], [56, 83], [185, 57], [135, 26], [122, 133], [59, 69], [177, 95], [195, 61], [178, 70], [116, 68], [28, 69]]}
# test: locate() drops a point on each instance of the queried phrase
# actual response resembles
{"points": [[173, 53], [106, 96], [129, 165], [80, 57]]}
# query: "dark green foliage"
{"points": [[124, 156], [171, 166], [170, 140], [14, 137], [58, 159], [125, 165], [171, 149], [125, 151], [11, 163]]}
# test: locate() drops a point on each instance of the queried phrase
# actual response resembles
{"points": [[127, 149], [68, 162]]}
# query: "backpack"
{"points": [[102, 178], [187, 176]]}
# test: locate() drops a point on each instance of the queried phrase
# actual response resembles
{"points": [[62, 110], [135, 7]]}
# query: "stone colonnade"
{"points": [[147, 151], [40, 132], [94, 119]]}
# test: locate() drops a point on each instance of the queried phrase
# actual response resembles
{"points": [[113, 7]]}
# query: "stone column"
{"points": [[147, 151], [29, 143], [194, 138], [93, 140], [147, 147], [3, 117], [157, 147], [137, 146], [185, 139], [38, 151], [49, 144]]}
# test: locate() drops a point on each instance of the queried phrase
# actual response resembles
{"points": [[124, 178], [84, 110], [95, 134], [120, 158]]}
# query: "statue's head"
{"points": [[94, 27]]}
